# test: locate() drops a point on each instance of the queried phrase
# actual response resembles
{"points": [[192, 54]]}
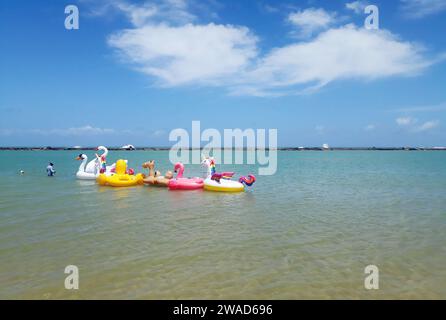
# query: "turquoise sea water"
{"points": [[306, 232]]}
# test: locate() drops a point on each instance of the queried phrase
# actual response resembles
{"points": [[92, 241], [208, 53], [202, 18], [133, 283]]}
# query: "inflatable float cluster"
{"points": [[119, 175]]}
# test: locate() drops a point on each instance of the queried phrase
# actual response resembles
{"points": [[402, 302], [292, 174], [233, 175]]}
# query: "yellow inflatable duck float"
{"points": [[120, 178]]}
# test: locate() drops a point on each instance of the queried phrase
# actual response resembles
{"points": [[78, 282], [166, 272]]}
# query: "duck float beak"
{"points": [[77, 158]]}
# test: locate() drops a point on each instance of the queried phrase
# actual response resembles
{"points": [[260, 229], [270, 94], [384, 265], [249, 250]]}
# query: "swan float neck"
{"points": [[84, 159]]}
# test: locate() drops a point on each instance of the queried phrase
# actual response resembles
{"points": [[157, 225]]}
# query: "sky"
{"points": [[135, 70]]}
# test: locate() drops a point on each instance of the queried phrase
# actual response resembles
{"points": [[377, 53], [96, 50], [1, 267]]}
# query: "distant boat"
{"points": [[439, 148], [128, 147], [325, 146], [77, 147]]}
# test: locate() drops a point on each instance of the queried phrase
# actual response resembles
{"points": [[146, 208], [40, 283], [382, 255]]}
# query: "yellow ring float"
{"points": [[120, 178]]}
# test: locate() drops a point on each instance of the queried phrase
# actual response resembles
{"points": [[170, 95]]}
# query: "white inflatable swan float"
{"points": [[90, 170], [82, 172]]}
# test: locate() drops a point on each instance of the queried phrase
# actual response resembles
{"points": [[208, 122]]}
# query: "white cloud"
{"points": [[370, 127], [410, 124], [320, 129], [347, 52], [205, 54], [228, 56], [176, 11], [357, 6], [159, 133], [425, 108], [6, 132], [73, 131], [420, 8], [311, 20], [138, 15], [429, 125], [405, 121], [155, 11], [270, 9]]}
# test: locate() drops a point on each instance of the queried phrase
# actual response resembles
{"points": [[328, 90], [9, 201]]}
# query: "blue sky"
{"points": [[135, 70]]}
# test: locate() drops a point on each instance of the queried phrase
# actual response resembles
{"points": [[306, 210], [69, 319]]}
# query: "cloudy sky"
{"points": [[135, 70]]}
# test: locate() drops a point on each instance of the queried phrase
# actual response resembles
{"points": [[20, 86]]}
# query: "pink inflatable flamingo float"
{"points": [[180, 183]]}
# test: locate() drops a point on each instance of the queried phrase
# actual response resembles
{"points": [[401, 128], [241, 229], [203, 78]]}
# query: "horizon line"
{"points": [[164, 148]]}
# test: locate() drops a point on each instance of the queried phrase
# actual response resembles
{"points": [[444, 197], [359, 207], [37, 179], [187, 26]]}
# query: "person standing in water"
{"points": [[50, 170]]}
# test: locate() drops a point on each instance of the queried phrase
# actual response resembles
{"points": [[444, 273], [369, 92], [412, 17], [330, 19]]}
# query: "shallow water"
{"points": [[306, 232]]}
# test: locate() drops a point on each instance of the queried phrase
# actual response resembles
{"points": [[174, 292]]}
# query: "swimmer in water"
{"points": [[50, 170], [22, 172]]}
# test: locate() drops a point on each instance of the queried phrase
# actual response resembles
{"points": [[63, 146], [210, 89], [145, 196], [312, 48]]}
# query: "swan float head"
{"points": [[82, 172], [81, 157]]}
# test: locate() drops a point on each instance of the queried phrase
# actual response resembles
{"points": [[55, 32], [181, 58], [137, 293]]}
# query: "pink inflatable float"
{"points": [[180, 183]]}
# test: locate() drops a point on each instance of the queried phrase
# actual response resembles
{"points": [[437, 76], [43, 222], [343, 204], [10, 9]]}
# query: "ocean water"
{"points": [[306, 232]]}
